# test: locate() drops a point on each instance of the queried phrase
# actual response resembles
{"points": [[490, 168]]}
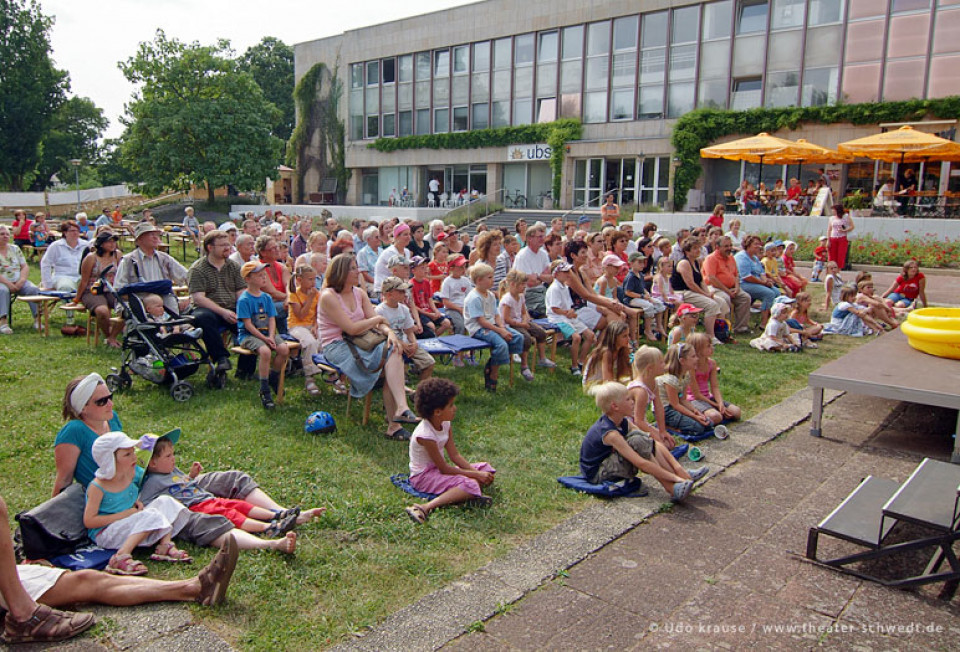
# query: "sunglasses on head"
{"points": [[100, 402]]}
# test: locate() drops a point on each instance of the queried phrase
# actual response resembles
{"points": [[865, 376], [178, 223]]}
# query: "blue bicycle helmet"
{"points": [[320, 422]]}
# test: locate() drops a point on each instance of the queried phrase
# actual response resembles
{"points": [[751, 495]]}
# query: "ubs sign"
{"points": [[539, 152]]}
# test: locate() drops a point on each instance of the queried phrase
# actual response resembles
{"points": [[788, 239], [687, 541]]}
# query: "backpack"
{"points": [[54, 527], [721, 329]]}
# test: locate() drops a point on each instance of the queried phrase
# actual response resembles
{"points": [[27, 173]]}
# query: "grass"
{"points": [[364, 559]]}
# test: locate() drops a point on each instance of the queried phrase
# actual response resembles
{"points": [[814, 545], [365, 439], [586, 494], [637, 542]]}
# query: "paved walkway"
{"points": [[722, 571]]}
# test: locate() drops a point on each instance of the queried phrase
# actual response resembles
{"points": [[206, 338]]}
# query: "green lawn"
{"points": [[365, 558]]}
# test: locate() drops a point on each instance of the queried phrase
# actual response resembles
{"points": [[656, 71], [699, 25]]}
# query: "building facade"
{"points": [[627, 69]]}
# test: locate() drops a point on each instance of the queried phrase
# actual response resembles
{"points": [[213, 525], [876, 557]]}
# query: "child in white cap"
{"points": [[117, 519]]}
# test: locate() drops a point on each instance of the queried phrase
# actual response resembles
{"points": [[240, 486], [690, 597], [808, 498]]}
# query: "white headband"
{"points": [[83, 391]]}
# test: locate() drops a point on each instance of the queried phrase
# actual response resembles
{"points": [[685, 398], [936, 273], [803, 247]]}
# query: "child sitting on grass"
{"points": [[456, 481], [483, 322], [776, 334], [704, 391], [801, 321], [393, 292], [876, 307], [257, 330], [614, 449], [513, 312], [164, 479], [116, 518], [684, 323], [680, 414], [850, 319], [908, 287], [647, 365], [610, 359]]}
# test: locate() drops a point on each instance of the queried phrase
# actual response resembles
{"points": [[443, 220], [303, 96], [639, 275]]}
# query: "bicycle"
{"points": [[516, 201], [541, 197]]}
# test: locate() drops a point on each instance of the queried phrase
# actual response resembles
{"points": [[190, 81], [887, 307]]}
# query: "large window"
{"points": [[752, 16], [653, 59]]}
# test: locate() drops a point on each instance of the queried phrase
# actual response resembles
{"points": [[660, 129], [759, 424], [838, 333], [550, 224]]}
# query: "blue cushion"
{"points": [[680, 451], [402, 481], [88, 557], [463, 343], [579, 483]]}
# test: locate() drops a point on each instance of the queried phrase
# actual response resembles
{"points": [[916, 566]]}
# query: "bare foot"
{"points": [[308, 515], [287, 544], [113, 343]]}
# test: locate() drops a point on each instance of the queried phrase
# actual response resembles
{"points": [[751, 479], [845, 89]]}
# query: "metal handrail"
{"points": [[587, 203]]}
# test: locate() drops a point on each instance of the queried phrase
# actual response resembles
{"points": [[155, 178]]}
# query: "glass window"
{"points": [[481, 56], [524, 49], [461, 89], [356, 75], [823, 12], [867, 8], [423, 94], [481, 87], [624, 69], [441, 63], [480, 118], [654, 32], [598, 38], [861, 83], [423, 65], [406, 123], [823, 46], [652, 65], [752, 16], [625, 33], [373, 126], [910, 5], [388, 100], [902, 80], [570, 105], [461, 118], [685, 27], [570, 74], [748, 52], [461, 59], [389, 69], [573, 42], [501, 53], [405, 96], [523, 81], [944, 80], [651, 102], [441, 121], [715, 59], [595, 107], [782, 89], [547, 109], [908, 35], [820, 86], [373, 73], [713, 94], [717, 18], [683, 62], [946, 32], [784, 50], [546, 79], [597, 73], [406, 68], [522, 110], [372, 102], [865, 40], [356, 127], [423, 121], [501, 85], [680, 100], [500, 114], [786, 13], [547, 49], [746, 93], [389, 125], [441, 93], [621, 105]]}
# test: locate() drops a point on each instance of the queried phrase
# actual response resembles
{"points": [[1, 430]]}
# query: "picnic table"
{"points": [[888, 367]]}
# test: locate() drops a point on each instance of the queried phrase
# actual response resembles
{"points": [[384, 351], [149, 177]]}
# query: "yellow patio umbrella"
{"points": [[902, 145], [754, 149], [807, 152]]}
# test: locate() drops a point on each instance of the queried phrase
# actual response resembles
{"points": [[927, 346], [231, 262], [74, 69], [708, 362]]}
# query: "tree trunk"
{"points": [[210, 197]]}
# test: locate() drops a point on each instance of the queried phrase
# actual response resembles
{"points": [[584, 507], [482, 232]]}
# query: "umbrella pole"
{"points": [[760, 174]]}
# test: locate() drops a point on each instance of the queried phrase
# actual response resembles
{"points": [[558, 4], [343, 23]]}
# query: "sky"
{"points": [[89, 38]]}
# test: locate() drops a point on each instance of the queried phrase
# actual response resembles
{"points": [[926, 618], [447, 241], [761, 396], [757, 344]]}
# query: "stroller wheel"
{"points": [[115, 383], [181, 391], [126, 382], [217, 379]]}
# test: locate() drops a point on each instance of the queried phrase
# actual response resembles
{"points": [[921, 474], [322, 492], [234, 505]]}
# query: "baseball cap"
{"points": [[148, 442], [416, 261], [251, 268], [394, 283], [560, 265], [784, 299], [778, 243], [584, 220], [687, 309], [397, 260], [459, 261], [823, 238], [611, 259], [105, 236], [228, 226], [770, 245], [778, 309]]}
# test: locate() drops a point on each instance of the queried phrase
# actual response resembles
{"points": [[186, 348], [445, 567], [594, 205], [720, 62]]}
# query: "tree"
{"points": [[271, 63], [74, 131], [109, 165], [31, 88], [197, 119]]}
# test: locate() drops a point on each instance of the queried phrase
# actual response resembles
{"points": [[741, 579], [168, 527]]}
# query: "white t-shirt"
{"points": [[455, 289], [476, 306], [399, 318], [419, 457], [514, 307], [530, 263], [434, 185], [380, 270], [558, 296], [776, 328]]}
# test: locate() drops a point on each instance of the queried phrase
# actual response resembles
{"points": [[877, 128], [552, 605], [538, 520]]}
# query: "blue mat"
{"points": [[402, 482], [434, 346], [609, 489], [88, 557], [463, 343]]}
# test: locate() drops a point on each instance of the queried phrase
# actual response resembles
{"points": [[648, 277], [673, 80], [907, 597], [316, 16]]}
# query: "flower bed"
{"points": [[928, 249]]}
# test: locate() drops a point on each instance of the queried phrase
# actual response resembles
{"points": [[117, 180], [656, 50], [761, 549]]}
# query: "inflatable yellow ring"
{"points": [[935, 331]]}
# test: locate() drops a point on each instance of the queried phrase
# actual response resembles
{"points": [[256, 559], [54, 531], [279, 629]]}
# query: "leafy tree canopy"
{"points": [[271, 63], [197, 118], [73, 134], [31, 88]]}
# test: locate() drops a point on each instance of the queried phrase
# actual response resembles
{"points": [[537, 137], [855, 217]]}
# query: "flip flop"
{"points": [[407, 417], [416, 514], [401, 434]]}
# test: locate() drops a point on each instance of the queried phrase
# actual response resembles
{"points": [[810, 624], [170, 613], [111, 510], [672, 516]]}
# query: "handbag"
{"points": [[368, 341]]}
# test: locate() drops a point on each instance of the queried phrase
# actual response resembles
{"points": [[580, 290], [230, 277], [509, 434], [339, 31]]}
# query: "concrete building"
{"points": [[627, 69]]}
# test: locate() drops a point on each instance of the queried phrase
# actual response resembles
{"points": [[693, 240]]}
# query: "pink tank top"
{"points": [[329, 331]]}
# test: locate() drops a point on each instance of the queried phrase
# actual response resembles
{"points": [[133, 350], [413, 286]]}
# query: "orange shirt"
{"points": [[311, 319], [724, 269]]}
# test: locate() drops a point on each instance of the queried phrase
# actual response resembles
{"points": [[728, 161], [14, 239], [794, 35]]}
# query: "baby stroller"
{"points": [[152, 350]]}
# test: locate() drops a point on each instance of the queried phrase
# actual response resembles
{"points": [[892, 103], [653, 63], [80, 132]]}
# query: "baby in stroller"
{"points": [[157, 313]]}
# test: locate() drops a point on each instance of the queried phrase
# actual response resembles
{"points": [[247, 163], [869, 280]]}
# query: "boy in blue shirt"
{"points": [[257, 330]]}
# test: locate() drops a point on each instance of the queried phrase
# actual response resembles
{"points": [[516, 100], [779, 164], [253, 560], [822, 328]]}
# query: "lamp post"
{"points": [[75, 162]]}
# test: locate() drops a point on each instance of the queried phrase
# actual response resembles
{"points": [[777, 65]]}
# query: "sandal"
{"points": [[280, 526], [489, 383], [215, 578], [480, 501], [407, 416], [311, 387], [400, 434], [416, 514], [47, 625], [125, 565], [169, 552]]}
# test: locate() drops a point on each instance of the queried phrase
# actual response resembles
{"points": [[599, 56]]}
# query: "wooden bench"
{"points": [[44, 303], [294, 347], [92, 329]]}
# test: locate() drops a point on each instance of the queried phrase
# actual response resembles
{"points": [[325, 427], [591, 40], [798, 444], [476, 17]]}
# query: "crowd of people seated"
{"points": [[792, 198]]}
